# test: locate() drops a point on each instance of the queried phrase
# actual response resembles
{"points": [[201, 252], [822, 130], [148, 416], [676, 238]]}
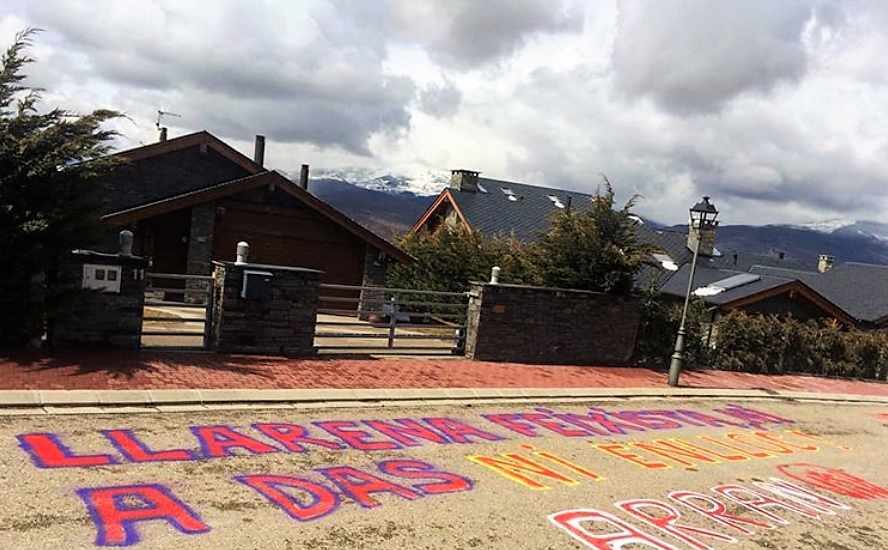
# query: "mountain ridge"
{"points": [[389, 205]]}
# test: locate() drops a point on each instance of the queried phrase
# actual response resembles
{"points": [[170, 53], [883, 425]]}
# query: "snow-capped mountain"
{"points": [[863, 228], [419, 183], [825, 226]]}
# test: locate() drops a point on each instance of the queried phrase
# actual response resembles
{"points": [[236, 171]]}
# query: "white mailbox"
{"points": [[102, 277]]}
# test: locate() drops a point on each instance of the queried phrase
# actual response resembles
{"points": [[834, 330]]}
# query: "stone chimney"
{"points": [[825, 263], [259, 150], [706, 236], [464, 180]]}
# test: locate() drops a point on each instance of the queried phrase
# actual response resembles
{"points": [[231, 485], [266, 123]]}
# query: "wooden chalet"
{"points": [[189, 200]]}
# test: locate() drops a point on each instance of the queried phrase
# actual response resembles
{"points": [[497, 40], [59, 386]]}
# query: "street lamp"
{"points": [[703, 216]]}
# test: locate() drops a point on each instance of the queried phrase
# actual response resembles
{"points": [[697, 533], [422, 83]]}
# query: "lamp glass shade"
{"points": [[703, 213]]}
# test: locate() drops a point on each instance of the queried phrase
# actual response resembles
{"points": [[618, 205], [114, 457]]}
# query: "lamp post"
{"points": [[703, 216]]}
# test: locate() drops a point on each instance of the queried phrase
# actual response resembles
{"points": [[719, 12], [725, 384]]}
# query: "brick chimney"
{"points": [[825, 263], [464, 180]]}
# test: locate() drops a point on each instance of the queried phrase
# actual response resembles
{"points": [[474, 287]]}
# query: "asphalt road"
{"points": [[558, 476]]}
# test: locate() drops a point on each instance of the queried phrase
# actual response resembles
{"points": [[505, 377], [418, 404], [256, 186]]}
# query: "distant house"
{"points": [[497, 207], [859, 289], [190, 199]]}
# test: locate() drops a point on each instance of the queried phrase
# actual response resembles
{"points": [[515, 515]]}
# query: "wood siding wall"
{"points": [[281, 231]]}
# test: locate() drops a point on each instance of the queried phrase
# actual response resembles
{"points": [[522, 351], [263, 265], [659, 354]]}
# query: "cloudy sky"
{"points": [[778, 109]]}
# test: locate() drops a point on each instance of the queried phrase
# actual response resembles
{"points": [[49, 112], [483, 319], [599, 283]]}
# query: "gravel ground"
{"points": [[416, 506]]}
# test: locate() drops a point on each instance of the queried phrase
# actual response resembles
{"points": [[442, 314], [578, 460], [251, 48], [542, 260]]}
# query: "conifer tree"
{"points": [[50, 161], [594, 248]]}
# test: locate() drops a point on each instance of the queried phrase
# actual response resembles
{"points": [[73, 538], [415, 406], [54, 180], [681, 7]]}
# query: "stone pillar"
{"points": [[274, 314], [107, 301], [375, 267], [200, 250], [550, 325]]}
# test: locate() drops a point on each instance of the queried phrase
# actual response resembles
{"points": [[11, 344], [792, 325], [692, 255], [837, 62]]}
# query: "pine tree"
{"points": [[592, 249], [49, 165]]}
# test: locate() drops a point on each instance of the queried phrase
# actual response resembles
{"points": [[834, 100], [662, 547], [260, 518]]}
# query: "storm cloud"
{"points": [[694, 55], [440, 100], [776, 109]]}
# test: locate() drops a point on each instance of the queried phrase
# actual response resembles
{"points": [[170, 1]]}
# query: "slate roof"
{"points": [[677, 285], [164, 169], [492, 213], [860, 289]]}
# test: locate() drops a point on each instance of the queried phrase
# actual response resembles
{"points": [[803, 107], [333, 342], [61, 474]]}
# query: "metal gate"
{"points": [[178, 311], [390, 320]]}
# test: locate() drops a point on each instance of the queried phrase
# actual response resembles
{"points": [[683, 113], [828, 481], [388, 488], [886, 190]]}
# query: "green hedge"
{"points": [[766, 344], [762, 344], [659, 327]]}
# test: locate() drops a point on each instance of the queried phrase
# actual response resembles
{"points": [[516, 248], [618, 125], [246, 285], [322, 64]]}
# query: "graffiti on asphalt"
{"points": [[539, 467], [117, 511], [526, 470], [603, 530], [48, 450], [834, 480]]}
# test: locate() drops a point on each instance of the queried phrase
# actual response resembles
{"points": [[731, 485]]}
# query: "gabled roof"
{"points": [[526, 217], [759, 287], [190, 140], [858, 288], [213, 192]]}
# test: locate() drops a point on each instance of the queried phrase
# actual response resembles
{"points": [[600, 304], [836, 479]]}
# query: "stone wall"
{"points": [[101, 319], [375, 267], [549, 325], [200, 250], [281, 323]]}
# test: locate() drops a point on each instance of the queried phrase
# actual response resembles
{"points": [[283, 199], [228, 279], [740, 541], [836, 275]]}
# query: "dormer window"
{"points": [[556, 201]]}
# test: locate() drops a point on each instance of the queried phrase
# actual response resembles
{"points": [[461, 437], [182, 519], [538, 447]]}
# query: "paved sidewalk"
{"points": [[109, 371]]}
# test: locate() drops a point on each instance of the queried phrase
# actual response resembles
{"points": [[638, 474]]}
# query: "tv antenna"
{"points": [[161, 113]]}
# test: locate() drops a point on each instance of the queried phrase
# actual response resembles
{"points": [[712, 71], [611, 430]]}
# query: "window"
{"points": [[100, 274]]}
